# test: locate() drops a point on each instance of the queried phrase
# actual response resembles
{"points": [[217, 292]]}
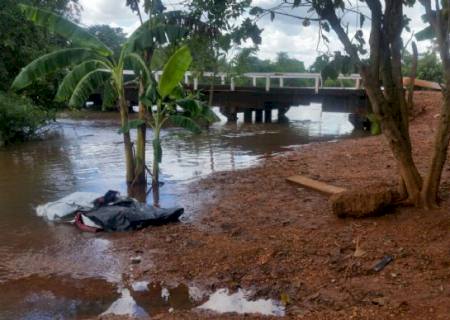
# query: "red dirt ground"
{"points": [[251, 229]]}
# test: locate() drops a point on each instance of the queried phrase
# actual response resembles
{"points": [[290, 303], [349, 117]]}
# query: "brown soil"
{"points": [[251, 229]]}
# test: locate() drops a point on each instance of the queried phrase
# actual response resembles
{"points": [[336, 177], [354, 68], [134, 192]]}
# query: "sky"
{"points": [[282, 34]]}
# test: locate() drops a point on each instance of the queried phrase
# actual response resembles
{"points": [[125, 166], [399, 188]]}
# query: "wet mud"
{"points": [[253, 230], [53, 271]]}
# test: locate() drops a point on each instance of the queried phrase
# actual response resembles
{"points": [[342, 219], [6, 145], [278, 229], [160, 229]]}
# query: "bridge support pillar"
{"points": [[230, 114], [248, 116], [282, 111], [282, 114], [268, 115], [258, 115]]}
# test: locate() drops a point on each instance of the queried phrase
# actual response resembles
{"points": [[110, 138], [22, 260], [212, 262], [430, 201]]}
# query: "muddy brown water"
{"points": [[49, 270]]}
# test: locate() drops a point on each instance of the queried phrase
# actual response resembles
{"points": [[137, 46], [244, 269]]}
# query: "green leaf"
{"points": [[150, 35], [426, 34], [63, 27], [209, 115], [71, 80], [189, 105], [87, 85], [329, 72], [185, 123], [138, 65], [174, 71], [109, 97], [150, 97], [50, 63], [375, 125], [132, 124], [177, 92]]}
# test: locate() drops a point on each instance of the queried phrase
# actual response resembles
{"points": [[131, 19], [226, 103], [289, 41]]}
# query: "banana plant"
{"points": [[167, 101], [91, 66]]}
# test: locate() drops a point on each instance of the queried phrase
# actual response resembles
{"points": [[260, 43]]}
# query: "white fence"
{"points": [[318, 82]]}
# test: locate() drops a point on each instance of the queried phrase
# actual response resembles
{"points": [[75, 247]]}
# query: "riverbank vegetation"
{"points": [[20, 118]]}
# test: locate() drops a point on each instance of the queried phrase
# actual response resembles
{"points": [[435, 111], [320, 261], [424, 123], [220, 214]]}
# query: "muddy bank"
{"points": [[252, 230]]}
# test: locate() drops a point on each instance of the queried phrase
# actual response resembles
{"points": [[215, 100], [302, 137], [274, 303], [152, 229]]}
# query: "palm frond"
{"points": [[174, 71], [71, 80], [50, 63], [65, 28], [185, 123], [87, 85], [110, 95], [139, 66]]}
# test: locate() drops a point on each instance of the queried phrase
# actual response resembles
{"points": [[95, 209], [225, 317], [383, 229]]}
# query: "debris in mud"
{"points": [[136, 260], [126, 306], [360, 203], [110, 212], [383, 263], [140, 286], [222, 302]]}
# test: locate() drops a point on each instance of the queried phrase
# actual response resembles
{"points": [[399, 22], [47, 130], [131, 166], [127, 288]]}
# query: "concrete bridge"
{"points": [[261, 93]]}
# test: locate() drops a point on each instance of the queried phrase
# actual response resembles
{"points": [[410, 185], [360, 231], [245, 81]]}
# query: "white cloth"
{"points": [[67, 205]]}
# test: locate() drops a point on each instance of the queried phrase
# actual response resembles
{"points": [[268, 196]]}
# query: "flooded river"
{"points": [[49, 271]]}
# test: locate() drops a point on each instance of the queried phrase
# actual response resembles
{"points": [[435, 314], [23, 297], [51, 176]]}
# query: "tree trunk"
{"points": [[412, 79], [397, 136], [129, 158], [429, 196]]}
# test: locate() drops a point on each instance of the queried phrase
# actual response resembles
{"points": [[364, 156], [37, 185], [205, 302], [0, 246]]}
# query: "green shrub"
{"points": [[20, 119]]}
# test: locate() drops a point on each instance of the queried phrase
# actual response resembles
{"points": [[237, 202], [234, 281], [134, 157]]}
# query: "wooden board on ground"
{"points": [[422, 83], [315, 185]]}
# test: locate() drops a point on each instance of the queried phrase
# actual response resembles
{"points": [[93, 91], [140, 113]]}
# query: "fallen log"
{"points": [[355, 203]]}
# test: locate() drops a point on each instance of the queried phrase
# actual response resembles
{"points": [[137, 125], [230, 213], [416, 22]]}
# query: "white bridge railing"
{"points": [[268, 76]]}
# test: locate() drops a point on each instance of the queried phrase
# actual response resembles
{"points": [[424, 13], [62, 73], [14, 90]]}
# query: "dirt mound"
{"points": [[360, 203]]}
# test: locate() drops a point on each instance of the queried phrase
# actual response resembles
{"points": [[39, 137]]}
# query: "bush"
{"points": [[20, 119]]}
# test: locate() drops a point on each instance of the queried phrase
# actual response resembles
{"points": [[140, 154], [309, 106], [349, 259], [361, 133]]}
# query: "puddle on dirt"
{"points": [[55, 297], [157, 298], [87, 155], [222, 301], [146, 299]]}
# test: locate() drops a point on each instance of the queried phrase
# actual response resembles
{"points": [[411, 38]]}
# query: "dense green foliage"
{"points": [[429, 66], [114, 38], [21, 42], [20, 118]]}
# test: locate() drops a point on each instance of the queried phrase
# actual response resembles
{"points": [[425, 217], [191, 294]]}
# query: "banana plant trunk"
{"points": [[129, 158], [140, 178], [156, 160]]}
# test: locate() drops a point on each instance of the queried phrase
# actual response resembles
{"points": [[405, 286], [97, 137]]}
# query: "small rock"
{"points": [[136, 260], [381, 301]]}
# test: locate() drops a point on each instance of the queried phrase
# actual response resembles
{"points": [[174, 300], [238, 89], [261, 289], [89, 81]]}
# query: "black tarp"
{"points": [[113, 213]]}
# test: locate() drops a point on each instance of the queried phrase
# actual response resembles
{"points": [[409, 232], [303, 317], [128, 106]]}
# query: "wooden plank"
{"points": [[315, 185], [422, 83]]}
